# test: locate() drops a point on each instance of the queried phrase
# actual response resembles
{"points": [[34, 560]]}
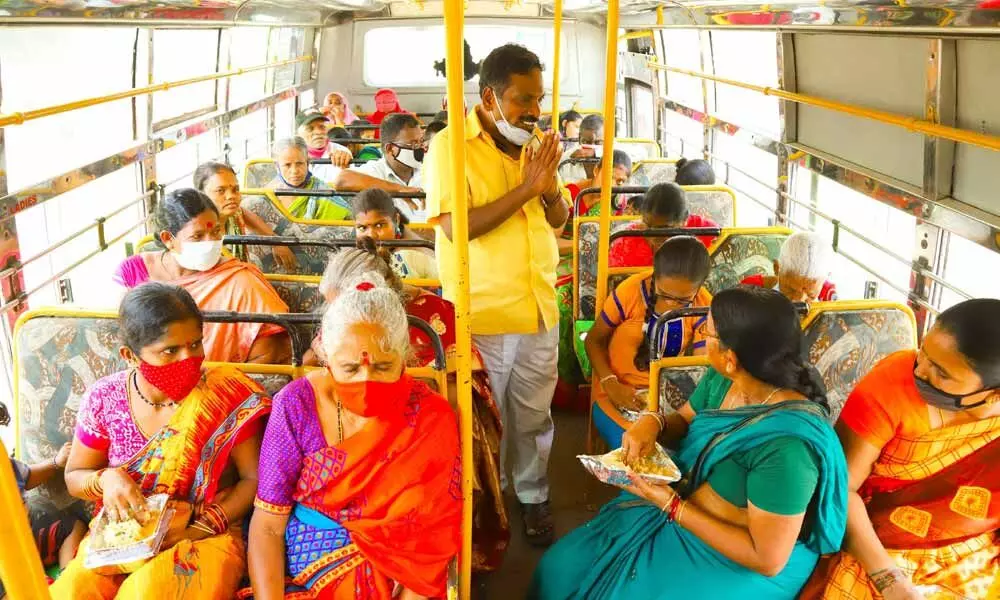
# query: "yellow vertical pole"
{"points": [[607, 163], [455, 67], [20, 567], [556, 56]]}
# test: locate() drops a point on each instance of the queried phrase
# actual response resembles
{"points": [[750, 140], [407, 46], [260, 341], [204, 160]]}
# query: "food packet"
{"points": [[122, 547], [657, 469]]}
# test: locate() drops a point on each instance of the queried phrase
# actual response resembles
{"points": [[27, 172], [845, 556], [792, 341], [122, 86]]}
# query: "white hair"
{"points": [[806, 254], [350, 263], [367, 299], [286, 143]]}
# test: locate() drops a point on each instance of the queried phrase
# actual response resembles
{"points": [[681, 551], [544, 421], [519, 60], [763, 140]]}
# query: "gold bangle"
{"points": [[680, 512]]}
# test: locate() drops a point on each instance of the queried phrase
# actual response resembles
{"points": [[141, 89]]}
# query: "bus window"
{"points": [[179, 54], [286, 43], [683, 49], [751, 172], [970, 268], [173, 166], [249, 138], [747, 56], [684, 136], [284, 118], [247, 48], [641, 110]]}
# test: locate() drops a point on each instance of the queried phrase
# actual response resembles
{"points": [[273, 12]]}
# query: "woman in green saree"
{"points": [[291, 157], [765, 487]]}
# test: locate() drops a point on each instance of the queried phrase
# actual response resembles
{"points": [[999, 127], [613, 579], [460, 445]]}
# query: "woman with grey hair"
{"points": [[291, 158], [801, 271], [491, 529], [361, 458]]}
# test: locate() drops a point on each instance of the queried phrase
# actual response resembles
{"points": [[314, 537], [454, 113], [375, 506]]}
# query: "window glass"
{"points": [[642, 111], [248, 48], [286, 43], [63, 69], [749, 56], [248, 138], [965, 267], [284, 118], [181, 54], [682, 49], [746, 169], [175, 166], [684, 136], [307, 99], [385, 65]]}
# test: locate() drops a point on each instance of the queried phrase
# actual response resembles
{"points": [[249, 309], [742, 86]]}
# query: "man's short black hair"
{"points": [[395, 123], [592, 123], [503, 62]]}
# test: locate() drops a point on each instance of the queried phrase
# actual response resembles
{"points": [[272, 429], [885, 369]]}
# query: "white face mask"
{"points": [[514, 135], [199, 256], [410, 157], [597, 148]]}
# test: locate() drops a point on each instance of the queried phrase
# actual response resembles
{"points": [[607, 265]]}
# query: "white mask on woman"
{"points": [[199, 256]]}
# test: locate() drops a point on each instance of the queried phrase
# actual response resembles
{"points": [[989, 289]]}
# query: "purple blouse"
{"points": [[293, 432], [104, 421], [131, 272]]}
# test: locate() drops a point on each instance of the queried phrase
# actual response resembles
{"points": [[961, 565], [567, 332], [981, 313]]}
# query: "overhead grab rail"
{"points": [[274, 240], [921, 126], [287, 192], [18, 118]]}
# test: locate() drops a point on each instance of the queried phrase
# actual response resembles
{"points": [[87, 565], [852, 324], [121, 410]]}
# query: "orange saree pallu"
{"points": [[934, 501], [382, 507], [185, 460]]}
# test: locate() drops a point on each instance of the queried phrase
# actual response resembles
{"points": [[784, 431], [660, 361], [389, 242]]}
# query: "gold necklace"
{"points": [[766, 400], [340, 423]]}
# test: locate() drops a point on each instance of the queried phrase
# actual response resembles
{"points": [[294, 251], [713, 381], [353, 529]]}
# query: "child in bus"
{"points": [[377, 217], [188, 229], [694, 172], [57, 533], [218, 181], [618, 344], [801, 271], [569, 124], [291, 157], [664, 205]]}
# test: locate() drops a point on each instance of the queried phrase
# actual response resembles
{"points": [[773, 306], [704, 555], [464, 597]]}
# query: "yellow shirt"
{"points": [[512, 269]]}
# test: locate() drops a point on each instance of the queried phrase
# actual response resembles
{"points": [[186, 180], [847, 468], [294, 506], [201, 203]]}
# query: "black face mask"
{"points": [[943, 400]]}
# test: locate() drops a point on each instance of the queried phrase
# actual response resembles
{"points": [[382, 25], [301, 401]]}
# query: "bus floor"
{"points": [[575, 498]]}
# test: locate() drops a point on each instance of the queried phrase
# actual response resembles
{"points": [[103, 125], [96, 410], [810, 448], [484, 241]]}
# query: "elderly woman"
{"points": [[921, 436], [376, 216], [491, 528], [166, 426], [360, 481], [291, 157], [218, 181], [618, 344], [188, 229], [765, 488], [801, 271]]}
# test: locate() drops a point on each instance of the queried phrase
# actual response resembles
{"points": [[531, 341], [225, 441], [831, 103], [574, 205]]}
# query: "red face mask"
{"points": [[177, 379], [372, 398]]}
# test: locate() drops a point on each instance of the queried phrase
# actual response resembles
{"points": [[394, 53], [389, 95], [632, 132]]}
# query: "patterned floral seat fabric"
{"points": [[257, 175], [716, 205], [587, 278], [311, 260], [300, 296], [740, 255], [649, 174], [677, 384], [845, 345]]}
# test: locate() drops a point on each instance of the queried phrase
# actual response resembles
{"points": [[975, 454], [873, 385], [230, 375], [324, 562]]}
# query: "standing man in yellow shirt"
{"points": [[516, 202]]}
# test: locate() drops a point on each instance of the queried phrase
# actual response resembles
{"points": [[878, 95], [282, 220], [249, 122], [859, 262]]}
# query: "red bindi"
{"points": [[366, 359]]}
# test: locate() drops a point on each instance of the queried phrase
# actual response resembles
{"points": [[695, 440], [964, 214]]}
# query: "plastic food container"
{"points": [[127, 546], [658, 469]]}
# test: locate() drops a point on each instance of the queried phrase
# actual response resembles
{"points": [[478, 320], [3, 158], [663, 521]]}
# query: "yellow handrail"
{"points": [[454, 24], [21, 567], [954, 134], [556, 57], [607, 168], [18, 118]]}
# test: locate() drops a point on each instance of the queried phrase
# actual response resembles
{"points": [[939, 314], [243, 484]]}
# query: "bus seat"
{"points": [[846, 338], [638, 148], [587, 229], [715, 202], [258, 172], [651, 171], [299, 292], [677, 378], [741, 252]]}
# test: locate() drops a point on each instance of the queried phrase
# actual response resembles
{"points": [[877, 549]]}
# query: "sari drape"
{"points": [[631, 550], [382, 506], [185, 460], [314, 207], [932, 496]]}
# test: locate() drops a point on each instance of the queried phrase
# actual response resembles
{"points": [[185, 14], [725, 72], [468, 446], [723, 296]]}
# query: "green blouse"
{"points": [[779, 476]]}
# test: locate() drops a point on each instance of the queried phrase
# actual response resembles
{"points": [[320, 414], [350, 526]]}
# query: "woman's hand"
{"points": [[639, 440], [62, 457], [657, 495], [122, 497], [622, 395], [893, 584], [285, 258]]}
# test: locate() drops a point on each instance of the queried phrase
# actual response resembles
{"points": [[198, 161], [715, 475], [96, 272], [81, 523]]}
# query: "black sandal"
{"points": [[538, 525]]}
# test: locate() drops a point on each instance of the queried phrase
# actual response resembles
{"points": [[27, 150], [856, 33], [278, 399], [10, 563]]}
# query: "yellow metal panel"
{"points": [[654, 161], [21, 567], [557, 65]]}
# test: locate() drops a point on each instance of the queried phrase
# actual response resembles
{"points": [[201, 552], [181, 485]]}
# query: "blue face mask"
{"points": [[514, 135], [943, 400]]}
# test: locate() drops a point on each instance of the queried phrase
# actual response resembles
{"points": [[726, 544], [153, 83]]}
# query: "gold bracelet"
{"points": [[680, 512]]}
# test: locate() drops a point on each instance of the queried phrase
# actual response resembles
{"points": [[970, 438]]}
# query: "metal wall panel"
{"points": [[977, 170], [885, 73]]}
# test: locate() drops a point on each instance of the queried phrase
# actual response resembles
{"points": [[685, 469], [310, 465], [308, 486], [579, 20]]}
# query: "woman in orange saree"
{"points": [[189, 230], [201, 450], [360, 489], [922, 437]]}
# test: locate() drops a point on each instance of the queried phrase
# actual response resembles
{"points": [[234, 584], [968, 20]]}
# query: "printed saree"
{"points": [[313, 207], [490, 522], [186, 460], [932, 495], [381, 507], [631, 550]]}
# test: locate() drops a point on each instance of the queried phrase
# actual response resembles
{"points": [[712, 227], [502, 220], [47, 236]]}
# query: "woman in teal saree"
{"points": [[765, 487]]}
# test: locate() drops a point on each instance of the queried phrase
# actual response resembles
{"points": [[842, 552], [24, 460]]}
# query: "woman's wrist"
{"points": [[883, 579], [607, 378]]}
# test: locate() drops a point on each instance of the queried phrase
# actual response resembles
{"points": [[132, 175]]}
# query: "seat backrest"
{"points": [[739, 253], [586, 236], [638, 148], [299, 292], [652, 171], [845, 339], [715, 202], [676, 379], [311, 260], [258, 172]]}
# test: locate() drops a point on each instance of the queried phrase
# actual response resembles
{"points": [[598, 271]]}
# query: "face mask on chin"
{"points": [[514, 135], [199, 256]]}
